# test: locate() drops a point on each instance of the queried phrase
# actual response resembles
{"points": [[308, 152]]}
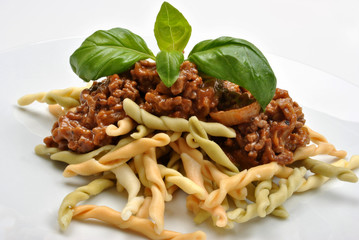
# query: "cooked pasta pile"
{"points": [[217, 190]]}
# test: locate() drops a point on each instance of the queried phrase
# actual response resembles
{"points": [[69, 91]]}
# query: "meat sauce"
{"points": [[273, 135]]}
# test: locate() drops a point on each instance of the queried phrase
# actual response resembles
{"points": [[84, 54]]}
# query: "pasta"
{"points": [[80, 194], [111, 160], [329, 170], [286, 188], [124, 126], [66, 98], [317, 180], [143, 226], [128, 180], [70, 157], [210, 147], [174, 124], [196, 164]]}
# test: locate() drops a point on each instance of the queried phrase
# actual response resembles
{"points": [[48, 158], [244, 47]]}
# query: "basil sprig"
{"points": [[108, 52], [168, 65], [238, 61], [172, 32], [114, 51]]}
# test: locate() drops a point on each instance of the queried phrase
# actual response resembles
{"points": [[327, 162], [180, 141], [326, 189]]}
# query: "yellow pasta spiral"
{"points": [[174, 124], [329, 170], [139, 225], [286, 188], [66, 98], [80, 194]]}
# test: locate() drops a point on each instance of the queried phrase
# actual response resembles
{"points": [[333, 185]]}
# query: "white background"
{"points": [[321, 33]]}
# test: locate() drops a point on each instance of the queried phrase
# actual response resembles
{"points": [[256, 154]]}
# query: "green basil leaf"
{"points": [[108, 52], [172, 31], [168, 65], [238, 61]]}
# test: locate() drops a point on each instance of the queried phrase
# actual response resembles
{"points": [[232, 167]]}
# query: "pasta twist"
{"points": [[139, 225], [193, 172], [66, 98], [95, 187], [216, 175], [193, 163], [124, 126], [262, 192], [186, 184], [41, 149], [174, 124], [212, 149], [208, 169], [286, 189], [75, 158], [127, 179], [190, 187], [158, 189], [328, 170], [317, 180], [117, 157], [136, 147], [260, 196], [245, 177], [322, 148]]}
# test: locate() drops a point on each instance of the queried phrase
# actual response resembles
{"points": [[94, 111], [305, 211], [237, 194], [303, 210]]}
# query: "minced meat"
{"points": [[84, 129], [186, 97], [273, 135]]}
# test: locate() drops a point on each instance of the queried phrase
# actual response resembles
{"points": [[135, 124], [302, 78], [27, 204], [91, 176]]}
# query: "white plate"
{"points": [[32, 188]]}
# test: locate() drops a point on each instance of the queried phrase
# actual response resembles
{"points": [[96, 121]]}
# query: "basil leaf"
{"points": [[108, 52], [168, 65], [238, 61], [172, 31]]}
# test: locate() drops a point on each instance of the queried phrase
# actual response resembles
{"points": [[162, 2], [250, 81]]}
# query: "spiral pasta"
{"points": [[124, 126], [174, 124], [271, 201], [158, 190], [128, 180], [245, 177], [80, 194], [140, 225], [329, 170], [111, 160], [210, 147], [66, 98], [70, 157], [157, 156], [317, 180]]}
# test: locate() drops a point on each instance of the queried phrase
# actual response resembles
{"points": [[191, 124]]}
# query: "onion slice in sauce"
{"points": [[237, 116]]}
